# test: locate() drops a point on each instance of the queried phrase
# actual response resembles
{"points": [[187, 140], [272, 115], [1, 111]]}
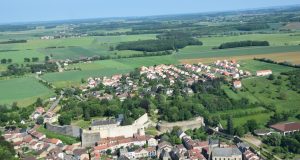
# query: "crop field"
{"points": [[292, 57], [191, 53], [69, 48], [253, 66], [22, 90], [274, 39], [104, 68]]}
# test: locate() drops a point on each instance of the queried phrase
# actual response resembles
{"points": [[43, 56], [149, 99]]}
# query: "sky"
{"points": [[47, 10]]}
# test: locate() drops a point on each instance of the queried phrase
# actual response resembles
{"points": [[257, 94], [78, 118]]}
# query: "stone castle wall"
{"points": [[184, 125], [90, 137], [69, 130]]}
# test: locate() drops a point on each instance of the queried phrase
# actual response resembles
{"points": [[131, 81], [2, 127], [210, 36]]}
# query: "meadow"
{"points": [[263, 90], [23, 90]]}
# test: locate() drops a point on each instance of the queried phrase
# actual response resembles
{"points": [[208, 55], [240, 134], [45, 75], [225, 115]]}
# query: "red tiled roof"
{"points": [[291, 126]]}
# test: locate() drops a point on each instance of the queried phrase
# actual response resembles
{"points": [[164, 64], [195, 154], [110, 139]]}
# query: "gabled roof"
{"points": [[290, 126]]}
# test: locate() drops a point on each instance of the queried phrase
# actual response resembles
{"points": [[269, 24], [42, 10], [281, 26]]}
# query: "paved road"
{"points": [[60, 69], [55, 103]]}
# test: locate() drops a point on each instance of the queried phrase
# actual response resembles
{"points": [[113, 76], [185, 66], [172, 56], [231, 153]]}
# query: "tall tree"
{"points": [[230, 129]]}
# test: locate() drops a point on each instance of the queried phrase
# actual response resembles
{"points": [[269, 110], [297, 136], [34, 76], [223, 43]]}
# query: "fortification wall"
{"points": [[89, 138], [184, 125], [69, 130]]}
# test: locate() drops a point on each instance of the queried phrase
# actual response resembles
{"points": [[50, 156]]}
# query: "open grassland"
{"points": [[22, 90], [292, 57], [104, 68]]}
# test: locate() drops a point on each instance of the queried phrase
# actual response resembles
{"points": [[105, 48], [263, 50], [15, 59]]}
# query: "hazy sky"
{"points": [[44, 10]]}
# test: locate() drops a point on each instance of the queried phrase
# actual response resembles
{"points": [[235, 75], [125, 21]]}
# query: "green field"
{"points": [[196, 51], [22, 90], [253, 66], [104, 68], [73, 48], [265, 91]]}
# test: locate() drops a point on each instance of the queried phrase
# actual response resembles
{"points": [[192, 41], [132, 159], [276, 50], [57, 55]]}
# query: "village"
{"points": [[166, 75], [108, 139]]}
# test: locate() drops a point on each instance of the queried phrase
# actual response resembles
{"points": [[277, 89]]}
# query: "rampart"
{"points": [[69, 130], [184, 125]]}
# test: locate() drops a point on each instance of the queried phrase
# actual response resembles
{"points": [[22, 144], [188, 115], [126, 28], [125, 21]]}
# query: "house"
{"points": [[286, 128], [163, 150], [55, 141], [263, 73], [226, 153], [237, 84], [38, 112], [141, 153], [152, 142], [151, 151], [249, 155], [178, 152], [195, 154]]}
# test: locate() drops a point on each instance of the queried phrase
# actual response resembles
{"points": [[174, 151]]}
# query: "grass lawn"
{"points": [[261, 119], [23, 90], [64, 138]]}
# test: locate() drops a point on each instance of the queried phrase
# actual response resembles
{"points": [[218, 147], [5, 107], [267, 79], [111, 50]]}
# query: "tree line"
{"points": [[252, 26], [285, 63], [284, 144], [166, 41], [19, 70], [242, 44], [13, 41]]}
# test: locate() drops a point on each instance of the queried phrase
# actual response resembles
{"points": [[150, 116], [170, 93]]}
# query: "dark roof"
{"points": [[226, 152], [291, 126], [103, 122]]}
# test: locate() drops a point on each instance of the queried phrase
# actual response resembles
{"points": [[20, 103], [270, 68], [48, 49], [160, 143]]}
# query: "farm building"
{"points": [[237, 84], [286, 128], [263, 73]]}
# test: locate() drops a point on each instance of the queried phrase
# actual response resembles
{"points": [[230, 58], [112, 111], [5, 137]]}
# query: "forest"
{"points": [[166, 41], [243, 44]]}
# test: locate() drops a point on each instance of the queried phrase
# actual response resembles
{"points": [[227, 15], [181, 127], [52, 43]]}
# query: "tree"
{"points": [[47, 58], [230, 129], [64, 119], [271, 77], [9, 60], [86, 114], [3, 61], [34, 59], [251, 125], [240, 131], [273, 139], [40, 120], [26, 59], [283, 96], [39, 102]]}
